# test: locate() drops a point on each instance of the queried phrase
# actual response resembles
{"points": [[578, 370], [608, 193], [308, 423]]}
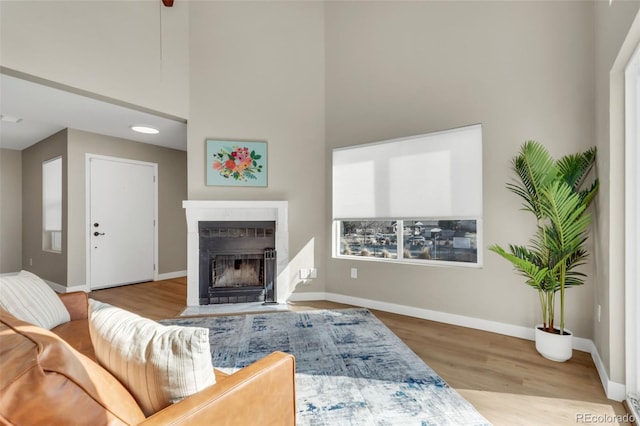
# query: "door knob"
{"points": [[95, 234]]}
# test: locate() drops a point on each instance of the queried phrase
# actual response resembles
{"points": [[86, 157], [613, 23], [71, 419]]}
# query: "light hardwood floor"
{"points": [[503, 377]]}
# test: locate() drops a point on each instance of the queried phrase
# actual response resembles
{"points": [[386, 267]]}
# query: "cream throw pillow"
{"points": [[159, 365], [28, 298]]}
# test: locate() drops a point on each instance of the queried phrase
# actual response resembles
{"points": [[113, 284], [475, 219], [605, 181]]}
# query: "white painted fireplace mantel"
{"points": [[214, 210]]}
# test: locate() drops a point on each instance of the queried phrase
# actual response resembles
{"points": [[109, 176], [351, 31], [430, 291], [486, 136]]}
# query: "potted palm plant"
{"points": [[557, 194]]}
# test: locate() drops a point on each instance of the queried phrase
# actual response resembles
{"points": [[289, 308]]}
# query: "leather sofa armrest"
{"points": [[77, 303], [260, 394]]}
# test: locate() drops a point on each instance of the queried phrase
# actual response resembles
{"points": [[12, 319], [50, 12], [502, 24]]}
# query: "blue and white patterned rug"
{"points": [[350, 368]]}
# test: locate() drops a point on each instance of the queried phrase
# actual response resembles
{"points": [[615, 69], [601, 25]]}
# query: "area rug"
{"points": [[350, 368]]}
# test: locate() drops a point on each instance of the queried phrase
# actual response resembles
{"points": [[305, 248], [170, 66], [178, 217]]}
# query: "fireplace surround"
{"points": [[198, 211]]}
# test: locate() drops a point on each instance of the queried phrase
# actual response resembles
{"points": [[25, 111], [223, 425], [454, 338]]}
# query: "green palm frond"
{"points": [[574, 168], [524, 262], [525, 253], [568, 225], [536, 170], [589, 194]]}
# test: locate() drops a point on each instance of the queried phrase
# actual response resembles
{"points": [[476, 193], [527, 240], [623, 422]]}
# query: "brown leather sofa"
{"points": [[45, 381]]}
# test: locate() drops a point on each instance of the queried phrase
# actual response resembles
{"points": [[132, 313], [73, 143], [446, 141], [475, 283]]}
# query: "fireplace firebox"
{"points": [[237, 262]]}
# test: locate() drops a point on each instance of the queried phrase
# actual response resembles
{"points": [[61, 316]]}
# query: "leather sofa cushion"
{"points": [[76, 334], [44, 381]]}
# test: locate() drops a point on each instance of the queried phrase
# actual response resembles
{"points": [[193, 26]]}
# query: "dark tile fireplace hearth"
{"points": [[237, 262]]}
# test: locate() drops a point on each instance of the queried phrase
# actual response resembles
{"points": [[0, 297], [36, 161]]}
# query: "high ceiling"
{"points": [[45, 110]]}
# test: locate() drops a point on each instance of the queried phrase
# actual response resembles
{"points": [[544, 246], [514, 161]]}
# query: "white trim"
{"points": [[171, 275], [221, 210], [613, 390], [307, 296], [454, 319], [58, 288], [88, 158], [400, 259], [632, 230]]}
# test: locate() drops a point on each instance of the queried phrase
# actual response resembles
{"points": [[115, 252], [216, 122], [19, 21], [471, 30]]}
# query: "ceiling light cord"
{"points": [[160, 40]]}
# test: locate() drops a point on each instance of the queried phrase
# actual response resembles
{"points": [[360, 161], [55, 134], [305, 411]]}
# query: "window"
{"points": [[52, 205], [413, 200]]}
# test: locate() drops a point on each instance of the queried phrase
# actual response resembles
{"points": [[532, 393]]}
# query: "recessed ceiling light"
{"points": [[10, 119], [145, 129]]}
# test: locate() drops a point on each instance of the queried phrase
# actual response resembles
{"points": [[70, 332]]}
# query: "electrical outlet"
{"points": [[354, 272], [313, 273], [30, 261], [599, 312], [304, 274]]}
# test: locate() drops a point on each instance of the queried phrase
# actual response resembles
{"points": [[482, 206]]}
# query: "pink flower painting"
{"points": [[239, 163]]}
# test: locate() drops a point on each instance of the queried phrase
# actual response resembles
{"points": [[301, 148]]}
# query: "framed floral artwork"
{"points": [[236, 163]]}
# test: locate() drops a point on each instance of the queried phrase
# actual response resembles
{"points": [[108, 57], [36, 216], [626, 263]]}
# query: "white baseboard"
{"points": [[58, 288], [305, 297], [62, 289], [171, 275], [615, 391], [464, 321]]}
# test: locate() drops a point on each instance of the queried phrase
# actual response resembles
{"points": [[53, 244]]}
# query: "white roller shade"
{"points": [[435, 175], [52, 194]]}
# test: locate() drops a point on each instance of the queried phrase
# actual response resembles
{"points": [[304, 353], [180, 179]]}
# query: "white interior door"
{"points": [[122, 237]]}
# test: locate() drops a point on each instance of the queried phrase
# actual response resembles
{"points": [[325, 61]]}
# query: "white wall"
{"points": [[257, 73], [49, 265], [11, 211], [172, 189], [522, 69], [132, 51], [612, 24], [377, 70]]}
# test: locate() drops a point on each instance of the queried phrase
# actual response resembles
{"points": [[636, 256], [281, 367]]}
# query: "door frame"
{"points": [[88, 158], [632, 230]]}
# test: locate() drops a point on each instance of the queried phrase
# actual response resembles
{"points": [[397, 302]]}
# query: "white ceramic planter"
{"points": [[556, 347]]}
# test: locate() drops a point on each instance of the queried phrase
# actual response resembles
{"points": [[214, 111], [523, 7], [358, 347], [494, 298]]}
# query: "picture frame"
{"points": [[236, 163]]}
